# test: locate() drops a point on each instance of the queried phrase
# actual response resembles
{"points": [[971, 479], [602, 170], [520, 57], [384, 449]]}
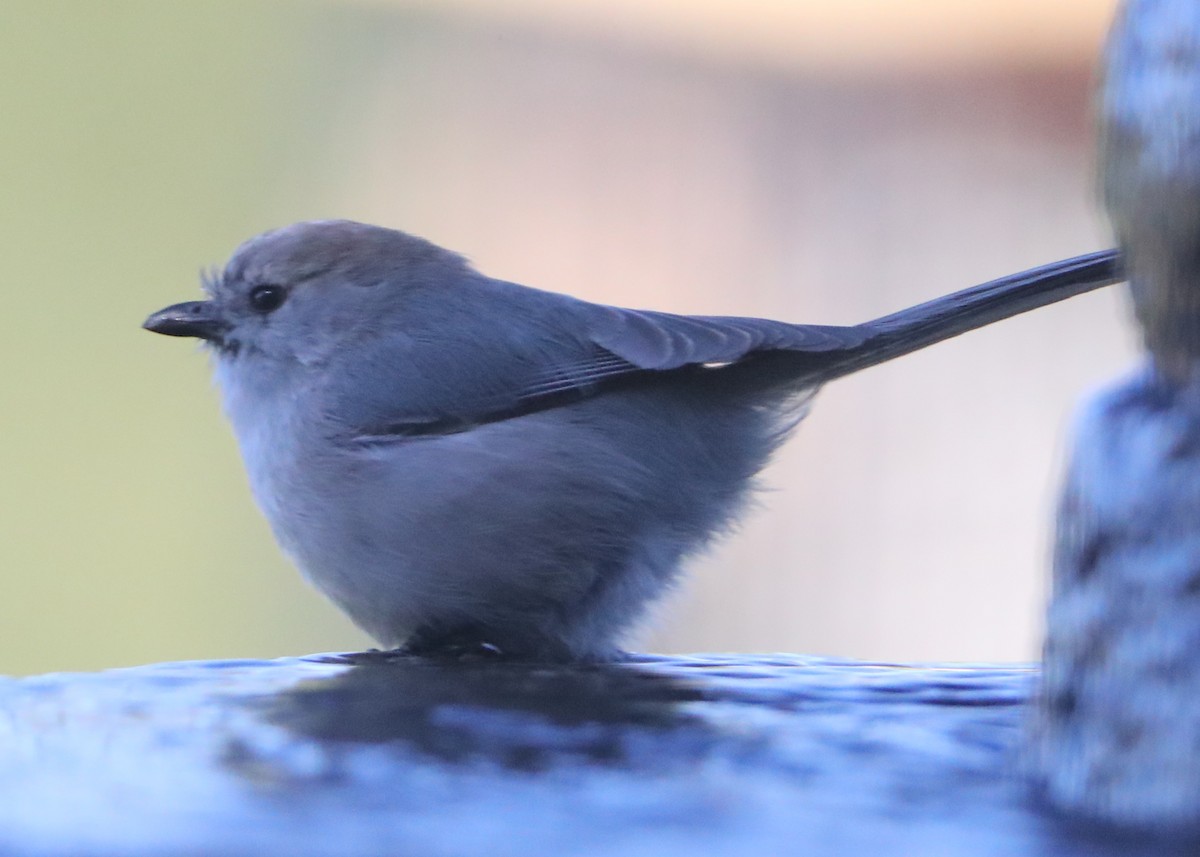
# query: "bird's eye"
{"points": [[267, 298]]}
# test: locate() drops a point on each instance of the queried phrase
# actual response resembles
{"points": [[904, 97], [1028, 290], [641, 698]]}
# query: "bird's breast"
{"points": [[275, 423]]}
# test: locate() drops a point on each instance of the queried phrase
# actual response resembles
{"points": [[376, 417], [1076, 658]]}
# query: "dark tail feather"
{"points": [[944, 317]]}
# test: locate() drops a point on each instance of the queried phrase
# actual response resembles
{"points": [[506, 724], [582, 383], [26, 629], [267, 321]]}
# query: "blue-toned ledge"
{"points": [[661, 756]]}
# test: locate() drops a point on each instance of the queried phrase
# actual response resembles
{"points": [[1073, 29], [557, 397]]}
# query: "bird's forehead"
{"points": [[289, 254], [305, 250]]}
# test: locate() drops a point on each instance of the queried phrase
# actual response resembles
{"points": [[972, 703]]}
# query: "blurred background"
{"points": [[810, 160]]}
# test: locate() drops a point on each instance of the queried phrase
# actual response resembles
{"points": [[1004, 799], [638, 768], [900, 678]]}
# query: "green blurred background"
{"points": [[785, 159]]}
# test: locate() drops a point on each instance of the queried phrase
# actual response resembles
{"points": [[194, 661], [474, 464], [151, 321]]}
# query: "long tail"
{"points": [[924, 324]]}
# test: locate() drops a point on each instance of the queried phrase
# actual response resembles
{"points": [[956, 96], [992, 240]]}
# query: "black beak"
{"points": [[191, 318]]}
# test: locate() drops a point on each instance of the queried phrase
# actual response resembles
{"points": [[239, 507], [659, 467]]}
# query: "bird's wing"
{"points": [[623, 342], [451, 387]]}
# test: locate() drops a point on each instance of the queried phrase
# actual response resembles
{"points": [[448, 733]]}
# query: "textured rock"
{"points": [[1116, 729]]}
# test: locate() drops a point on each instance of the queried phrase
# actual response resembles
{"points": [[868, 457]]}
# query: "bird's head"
{"points": [[301, 293]]}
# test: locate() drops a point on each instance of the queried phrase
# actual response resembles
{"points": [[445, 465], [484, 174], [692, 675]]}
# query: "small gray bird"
{"points": [[465, 464]]}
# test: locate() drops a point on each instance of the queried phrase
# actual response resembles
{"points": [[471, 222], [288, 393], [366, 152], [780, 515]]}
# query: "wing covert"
{"points": [[656, 340]]}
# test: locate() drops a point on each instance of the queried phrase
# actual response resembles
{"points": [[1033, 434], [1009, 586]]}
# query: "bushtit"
{"points": [[463, 463]]}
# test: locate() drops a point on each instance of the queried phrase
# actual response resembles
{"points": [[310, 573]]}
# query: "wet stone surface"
{"points": [[659, 756]]}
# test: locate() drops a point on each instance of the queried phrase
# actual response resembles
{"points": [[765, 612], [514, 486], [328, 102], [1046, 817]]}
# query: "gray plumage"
{"points": [[459, 461]]}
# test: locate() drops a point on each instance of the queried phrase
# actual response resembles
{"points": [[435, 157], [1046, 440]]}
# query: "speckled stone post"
{"points": [[1115, 732]]}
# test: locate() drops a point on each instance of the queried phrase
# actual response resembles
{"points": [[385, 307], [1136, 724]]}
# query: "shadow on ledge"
{"points": [[525, 717]]}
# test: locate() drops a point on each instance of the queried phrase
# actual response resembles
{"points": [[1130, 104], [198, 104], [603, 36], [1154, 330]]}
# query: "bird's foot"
{"points": [[460, 645]]}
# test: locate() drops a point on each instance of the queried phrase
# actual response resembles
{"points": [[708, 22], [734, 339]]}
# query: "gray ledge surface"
{"points": [[659, 756]]}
